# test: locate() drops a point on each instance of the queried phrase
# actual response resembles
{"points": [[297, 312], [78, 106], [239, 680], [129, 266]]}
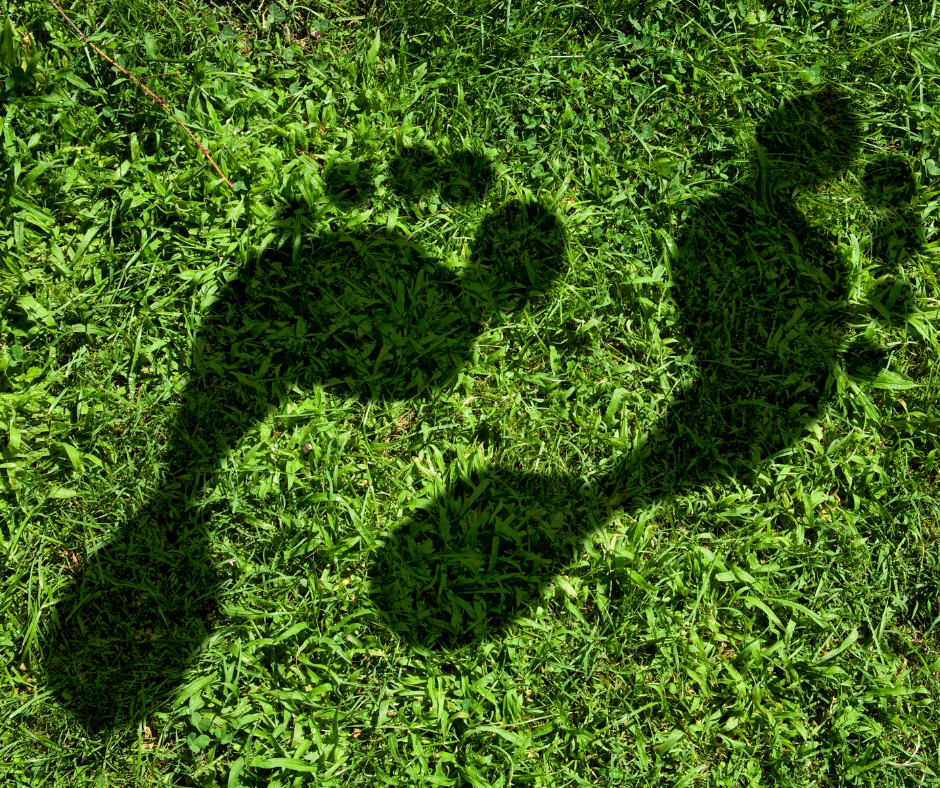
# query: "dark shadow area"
{"points": [[477, 555], [463, 177], [377, 314], [139, 608], [763, 298], [762, 294], [889, 187], [369, 314], [348, 181]]}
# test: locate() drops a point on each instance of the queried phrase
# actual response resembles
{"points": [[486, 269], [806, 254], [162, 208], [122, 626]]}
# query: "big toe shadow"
{"points": [[520, 251]]}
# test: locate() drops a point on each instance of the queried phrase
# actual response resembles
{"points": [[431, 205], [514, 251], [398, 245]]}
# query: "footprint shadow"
{"points": [[763, 299], [764, 313], [370, 314], [889, 187]]}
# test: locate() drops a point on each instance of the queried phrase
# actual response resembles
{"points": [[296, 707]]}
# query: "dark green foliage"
{"points": [[553, 402]]}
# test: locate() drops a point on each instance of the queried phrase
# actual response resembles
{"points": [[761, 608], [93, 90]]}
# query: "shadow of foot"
{"points": [[369, 313], [139, 608], [888, 186], [465, 565], [762, 293]]}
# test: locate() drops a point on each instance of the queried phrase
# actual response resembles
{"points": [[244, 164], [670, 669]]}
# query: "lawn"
{"points": [[526, 393]]}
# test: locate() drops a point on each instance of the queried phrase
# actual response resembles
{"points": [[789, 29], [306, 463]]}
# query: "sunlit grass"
{"points": [[550, 403]]}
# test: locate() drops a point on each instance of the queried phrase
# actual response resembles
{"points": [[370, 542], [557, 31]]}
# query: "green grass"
{"points": [[554, 401]]}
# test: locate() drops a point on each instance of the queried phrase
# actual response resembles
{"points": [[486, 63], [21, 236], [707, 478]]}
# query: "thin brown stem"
{"points": [[313, 158], [153, 96]]}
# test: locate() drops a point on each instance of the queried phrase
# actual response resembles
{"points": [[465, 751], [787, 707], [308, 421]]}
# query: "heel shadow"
{"points": [[475, 555], [139, 609]]}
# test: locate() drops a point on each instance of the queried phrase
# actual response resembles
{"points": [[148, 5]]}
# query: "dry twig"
{"points": [[153, 96]]}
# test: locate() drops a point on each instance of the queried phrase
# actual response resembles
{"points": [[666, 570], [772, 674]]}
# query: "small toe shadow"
{"points": [[348, 181]]}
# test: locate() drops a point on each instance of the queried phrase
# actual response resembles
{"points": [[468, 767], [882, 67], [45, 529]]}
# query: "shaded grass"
{"points": [[769, 617]]}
